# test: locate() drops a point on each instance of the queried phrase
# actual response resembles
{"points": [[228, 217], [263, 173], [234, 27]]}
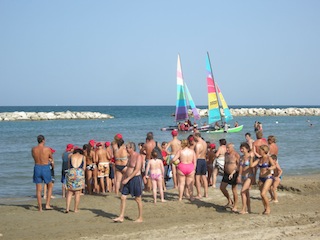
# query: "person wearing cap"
{"points": [[201, 169], [174, 145], [192, 143], [211, 155], [103, 168], [65, 159], [42, 173]]}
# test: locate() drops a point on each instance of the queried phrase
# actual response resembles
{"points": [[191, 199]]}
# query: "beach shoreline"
{"points": [[296, 216]]}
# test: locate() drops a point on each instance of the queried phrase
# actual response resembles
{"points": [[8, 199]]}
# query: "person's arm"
{"points": [[162, 168], [218, 152], [253, 163], [273, 165], [136, 169], [176, 157], [279, 170], [84, 163], [147, 169], [194, 160]]}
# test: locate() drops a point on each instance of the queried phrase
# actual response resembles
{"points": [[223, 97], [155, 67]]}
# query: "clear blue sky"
{"points": [[125, 52]]}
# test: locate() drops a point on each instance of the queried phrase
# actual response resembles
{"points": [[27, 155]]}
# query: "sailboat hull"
{"points": [[230, 130]]}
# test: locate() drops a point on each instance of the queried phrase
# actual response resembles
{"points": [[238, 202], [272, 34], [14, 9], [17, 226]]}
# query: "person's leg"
{"points": [[174, 176], [189, 183], [154, 190], [235, 197], [182, 180], [160, 187], [275, 185], [244, 196], [38, 193], [139, 202], [205, 185], [76, 200], [122, 209], [68, 200], [223, 188], [118, 178], [102, 187], [214, 175], [198, 186], [49, 194], [89, 181], [95, 179], [265, 188]]}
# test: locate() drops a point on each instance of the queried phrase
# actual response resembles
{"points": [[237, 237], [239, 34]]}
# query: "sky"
{"points": [[125, 52]]}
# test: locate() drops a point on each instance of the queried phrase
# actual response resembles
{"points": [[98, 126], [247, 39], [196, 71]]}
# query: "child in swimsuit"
{"points": [[156, 168], [276, 180]]}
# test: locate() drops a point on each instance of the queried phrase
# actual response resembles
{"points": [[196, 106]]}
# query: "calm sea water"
{"points": [[298, 143]]}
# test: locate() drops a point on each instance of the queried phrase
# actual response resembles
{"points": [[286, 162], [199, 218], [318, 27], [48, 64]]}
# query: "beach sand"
{"points": [[296, 216]]}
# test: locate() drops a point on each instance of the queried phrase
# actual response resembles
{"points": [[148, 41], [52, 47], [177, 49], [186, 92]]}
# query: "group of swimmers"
{"points": [[119, 167]]}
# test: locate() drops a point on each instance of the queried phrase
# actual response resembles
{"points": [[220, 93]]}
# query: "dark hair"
{"points": [[154, 154], [248, 134], [78, 150], [120, 142], [274, 157], [40, 138], [87, 148], [223, 141], [245, 145]]}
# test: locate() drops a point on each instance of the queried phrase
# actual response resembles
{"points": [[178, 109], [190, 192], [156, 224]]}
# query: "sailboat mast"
{"points": [[215, 87]]}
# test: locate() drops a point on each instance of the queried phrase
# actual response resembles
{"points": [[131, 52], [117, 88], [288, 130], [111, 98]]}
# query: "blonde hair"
{"points": [[272, 139], [264, 148], [184, 143]]}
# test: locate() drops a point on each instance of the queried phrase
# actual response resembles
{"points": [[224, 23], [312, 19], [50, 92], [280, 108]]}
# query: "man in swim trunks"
{"points": [[132, 182], [231, 168], [175, 146], [201, 167], [42, 173], [103, 168]]}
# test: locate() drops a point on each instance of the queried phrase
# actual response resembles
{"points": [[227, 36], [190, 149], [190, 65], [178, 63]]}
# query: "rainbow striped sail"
{"points": [[195, 111], [226, 110], [215, 98], [181, 104], [213, 102]]}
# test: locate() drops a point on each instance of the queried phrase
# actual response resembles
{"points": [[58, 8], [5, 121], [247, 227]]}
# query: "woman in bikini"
{"points": [[245, 176], [185, 168], [121, 159], [156, 168], [91, 169], [266, 164]]}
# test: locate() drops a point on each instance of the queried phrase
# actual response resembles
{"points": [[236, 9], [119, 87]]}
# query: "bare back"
{"points": [[41, 154], [201, 149], [175, 145], [102, 155]]}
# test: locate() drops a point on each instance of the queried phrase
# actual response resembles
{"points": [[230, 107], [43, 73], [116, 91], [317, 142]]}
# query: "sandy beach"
{"points": [[296, 216]]}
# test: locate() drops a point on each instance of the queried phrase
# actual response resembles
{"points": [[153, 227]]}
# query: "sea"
{"points": [[298, 141]]}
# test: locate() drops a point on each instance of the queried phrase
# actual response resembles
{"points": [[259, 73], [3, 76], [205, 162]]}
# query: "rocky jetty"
{"points": [[37, 116], [246, 112]]}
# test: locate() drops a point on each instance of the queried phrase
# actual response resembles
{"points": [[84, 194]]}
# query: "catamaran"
{"points": [[184, 99], [218, 110]]}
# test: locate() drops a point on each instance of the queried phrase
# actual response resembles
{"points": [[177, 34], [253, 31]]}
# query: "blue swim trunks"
{"points": [[201, 168], [42, 173], [133, 187]]}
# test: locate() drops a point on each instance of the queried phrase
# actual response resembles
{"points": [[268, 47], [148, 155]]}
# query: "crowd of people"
{"points": [[119, 167]]}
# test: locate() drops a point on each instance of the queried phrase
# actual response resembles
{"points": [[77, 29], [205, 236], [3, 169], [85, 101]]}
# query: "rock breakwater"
{"points": [[37, 116], [246, 112]]}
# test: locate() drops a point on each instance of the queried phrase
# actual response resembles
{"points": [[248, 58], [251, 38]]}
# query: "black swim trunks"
{"points": [[232, 181], [201, 168]]}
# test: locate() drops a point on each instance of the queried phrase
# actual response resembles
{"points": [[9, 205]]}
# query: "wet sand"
{"points": [[296, 216]]}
